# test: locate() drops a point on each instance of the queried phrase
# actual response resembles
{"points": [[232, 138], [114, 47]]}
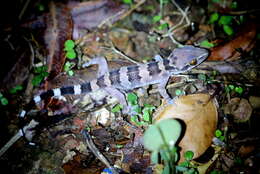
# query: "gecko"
{"points": [[117, 81]]}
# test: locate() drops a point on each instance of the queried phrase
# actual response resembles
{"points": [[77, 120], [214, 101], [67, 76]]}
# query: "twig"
{"points": [[133, 8], [26, 129], [122, 54], [23, 9], [95, 150], [178, 27]]}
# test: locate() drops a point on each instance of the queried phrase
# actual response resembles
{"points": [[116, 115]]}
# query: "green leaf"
{"points": [[116, 108], [231, 87], [184, 164], [40, 7], [119, 146], [213, 18], [225, 20], [164, 155], [154, 157], [40, 69], [188, 155], [174, 152], [148, 108], [206, 44], [70, 72], [179, 92], [239, 89], [166, 169], [218, 133], [227, 89], [156, 18], [1, 95], [71, 54], [163, 26], [228, 30], [37, 80], [4, 101], [170, 129], [234, 4], [69, 45], [191, 171], [222, 138], [136, 108], [135, 120], [127, 2], [216, 1], [181, 168], [146, 116], [15, 89], [202, 77], [67, 66], [132, 98]]}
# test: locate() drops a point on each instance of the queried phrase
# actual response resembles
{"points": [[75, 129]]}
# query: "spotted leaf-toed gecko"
{"points": [[122, 79], [117, 81]]}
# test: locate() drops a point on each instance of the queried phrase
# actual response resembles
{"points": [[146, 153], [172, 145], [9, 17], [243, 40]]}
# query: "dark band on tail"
{"points": [[57, 92]]}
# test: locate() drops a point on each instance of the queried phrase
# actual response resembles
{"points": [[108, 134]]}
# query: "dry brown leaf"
{"points": [[59, 29], [244, 40], [199, 114], [92, 14], [239, 108]]}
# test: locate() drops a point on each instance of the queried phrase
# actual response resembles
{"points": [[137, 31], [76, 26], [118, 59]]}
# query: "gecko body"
{"points": [[115, 82]]}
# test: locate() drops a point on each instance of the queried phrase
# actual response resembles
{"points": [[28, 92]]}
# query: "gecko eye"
{"points": [[193, 62]]}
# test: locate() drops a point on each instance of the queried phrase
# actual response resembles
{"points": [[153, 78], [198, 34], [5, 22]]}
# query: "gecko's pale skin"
{"points": [[117, 81]]}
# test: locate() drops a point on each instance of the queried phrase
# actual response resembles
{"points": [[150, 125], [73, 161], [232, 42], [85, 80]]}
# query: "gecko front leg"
{"points": [[102, 65], [163, 92], [119, 96]]}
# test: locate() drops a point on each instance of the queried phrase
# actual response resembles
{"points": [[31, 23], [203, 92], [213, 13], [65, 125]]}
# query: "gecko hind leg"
{"points": [[102, 65]]}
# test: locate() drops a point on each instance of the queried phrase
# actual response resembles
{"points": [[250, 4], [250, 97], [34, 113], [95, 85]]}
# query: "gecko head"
{"points": [[185, 58]]}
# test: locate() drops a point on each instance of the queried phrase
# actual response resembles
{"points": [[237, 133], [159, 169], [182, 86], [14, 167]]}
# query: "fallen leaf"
{"points": [[239, 108], [91, 14], [59, 29], [199, 114], [244, 41], [246, 150]]}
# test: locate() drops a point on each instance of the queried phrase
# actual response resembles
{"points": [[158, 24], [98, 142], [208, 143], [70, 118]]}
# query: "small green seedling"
{"points": [[213, 18], [68, 68], [15, 89], [3, 100], [206, 44], [142, 115], [156, 18], [40, 74], [218, 134], [161, 138], [209, 79], [187, 166], [237, 89], [129, 2], [69, 46], [224, 21], [117, 108], [179, 92]]}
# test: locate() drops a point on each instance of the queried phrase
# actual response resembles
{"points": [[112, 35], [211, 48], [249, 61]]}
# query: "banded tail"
{"points": [[57, 92]]}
